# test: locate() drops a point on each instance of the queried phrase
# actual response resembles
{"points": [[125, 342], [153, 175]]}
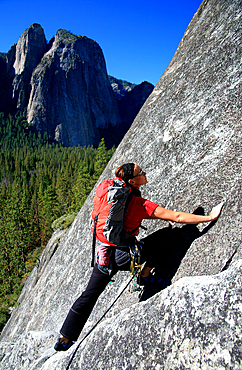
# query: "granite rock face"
{"points": [[187, 137], [194, 324]]}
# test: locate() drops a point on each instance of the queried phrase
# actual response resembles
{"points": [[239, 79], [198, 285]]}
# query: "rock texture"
{"points": [[187, 137], [194, 324]]}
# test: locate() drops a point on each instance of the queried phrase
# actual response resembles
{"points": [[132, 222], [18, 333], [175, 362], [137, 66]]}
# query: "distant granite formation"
{"points": [[5, 87], [64, 88], [120, 87], [71, 97], [30, 48], [19, 64], [130, 98], [187, 137], [131, 103]]}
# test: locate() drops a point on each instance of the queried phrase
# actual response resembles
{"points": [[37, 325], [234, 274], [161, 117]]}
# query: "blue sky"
{"points": [[138, 38]]}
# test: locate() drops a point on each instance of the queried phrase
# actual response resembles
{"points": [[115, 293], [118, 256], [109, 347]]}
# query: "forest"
{"points": [[43, 185]]}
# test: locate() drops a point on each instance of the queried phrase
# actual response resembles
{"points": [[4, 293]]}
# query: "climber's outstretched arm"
{"points": [[185, 218]]}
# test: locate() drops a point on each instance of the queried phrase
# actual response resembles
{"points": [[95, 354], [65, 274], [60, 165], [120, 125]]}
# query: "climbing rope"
{"points": [[135, 271], [109, 308]]}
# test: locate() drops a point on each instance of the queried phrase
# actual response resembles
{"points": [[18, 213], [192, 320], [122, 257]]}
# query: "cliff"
{"points": [[187, 137], [29, 50], [80, 100]]}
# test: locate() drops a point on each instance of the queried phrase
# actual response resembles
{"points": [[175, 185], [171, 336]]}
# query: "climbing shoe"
{"points": [[61, 346], [150, 279]]}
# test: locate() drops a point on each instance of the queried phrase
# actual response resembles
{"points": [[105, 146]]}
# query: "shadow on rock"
{"points": [[173, 243]]}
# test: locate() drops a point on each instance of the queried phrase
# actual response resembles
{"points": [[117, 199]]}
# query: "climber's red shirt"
{"points": [[138, 209]]}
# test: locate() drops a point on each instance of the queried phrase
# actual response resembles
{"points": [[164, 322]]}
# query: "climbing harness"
{"points": [[109, 308]]}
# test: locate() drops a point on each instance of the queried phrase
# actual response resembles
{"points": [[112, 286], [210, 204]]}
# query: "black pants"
{"points": [[82, 308]]}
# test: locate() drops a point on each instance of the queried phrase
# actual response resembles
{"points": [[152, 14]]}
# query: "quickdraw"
{"points": [[135, 265]]}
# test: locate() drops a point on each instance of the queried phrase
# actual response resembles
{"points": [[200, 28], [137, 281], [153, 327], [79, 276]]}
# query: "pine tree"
{"points": [[39, 182], [49, 210], [83, 187], [101, 159]]}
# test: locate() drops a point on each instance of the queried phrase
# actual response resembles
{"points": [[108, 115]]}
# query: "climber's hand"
{"points": [[216, 211]]}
